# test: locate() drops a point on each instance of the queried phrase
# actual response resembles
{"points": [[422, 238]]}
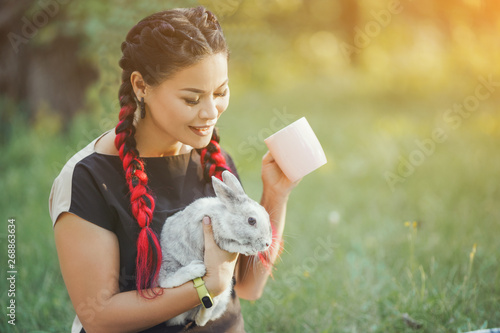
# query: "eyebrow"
{"points": [[199, 91]]}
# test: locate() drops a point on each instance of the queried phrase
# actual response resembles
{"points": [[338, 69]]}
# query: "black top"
{"points": [[93, 187]]}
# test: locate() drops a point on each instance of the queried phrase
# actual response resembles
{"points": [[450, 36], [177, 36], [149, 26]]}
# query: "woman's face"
{"points": [[185, 107]]}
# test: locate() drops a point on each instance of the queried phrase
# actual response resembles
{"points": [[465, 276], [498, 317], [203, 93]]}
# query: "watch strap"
{"points": [[203, 294]]}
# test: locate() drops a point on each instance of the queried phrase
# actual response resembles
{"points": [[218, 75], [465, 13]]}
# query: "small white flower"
{"points": [[334, 217]]}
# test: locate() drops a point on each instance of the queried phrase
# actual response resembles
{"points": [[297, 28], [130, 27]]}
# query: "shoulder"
{"points": [[60, 194], [227, 156], [106, 144], [78, 172], [230, 163]]}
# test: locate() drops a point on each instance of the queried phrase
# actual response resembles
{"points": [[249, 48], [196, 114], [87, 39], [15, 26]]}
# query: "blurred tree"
{"points": [[348, 20], [40, 66], [52, 50]]}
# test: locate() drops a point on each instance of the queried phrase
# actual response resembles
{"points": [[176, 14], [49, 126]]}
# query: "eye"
{"points": [[192, 101], [222, 94], [252, 221]]}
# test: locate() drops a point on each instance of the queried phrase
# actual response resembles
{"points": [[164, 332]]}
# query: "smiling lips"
{"points": [[201, 130]]}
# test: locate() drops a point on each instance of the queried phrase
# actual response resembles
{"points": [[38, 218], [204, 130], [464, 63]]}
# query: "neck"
{"points": [[154, 143]]}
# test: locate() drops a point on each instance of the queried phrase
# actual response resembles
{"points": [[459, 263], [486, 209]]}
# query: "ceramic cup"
{"points": [[296, 149]]}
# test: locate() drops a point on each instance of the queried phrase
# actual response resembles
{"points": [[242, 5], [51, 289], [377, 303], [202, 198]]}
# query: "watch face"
{"points": [[207, 302]]}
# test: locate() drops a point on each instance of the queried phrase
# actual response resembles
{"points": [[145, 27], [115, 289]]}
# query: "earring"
{"points": [[143, 108]]}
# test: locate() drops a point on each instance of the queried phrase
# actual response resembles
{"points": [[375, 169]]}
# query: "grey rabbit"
{"points": [[239, 224]]}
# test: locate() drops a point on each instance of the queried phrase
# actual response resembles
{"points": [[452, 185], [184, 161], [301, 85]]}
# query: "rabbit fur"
{"points": [[239, 224]]}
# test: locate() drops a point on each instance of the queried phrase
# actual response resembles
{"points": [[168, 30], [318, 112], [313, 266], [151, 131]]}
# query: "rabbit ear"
{"points": [[224, 192], [233, 182]]}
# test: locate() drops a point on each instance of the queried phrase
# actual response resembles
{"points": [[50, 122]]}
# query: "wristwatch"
{"points": [[205, 298]]}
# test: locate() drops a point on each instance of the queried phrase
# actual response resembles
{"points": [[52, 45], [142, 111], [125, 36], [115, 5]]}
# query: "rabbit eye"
{"points": [[252, 221]]}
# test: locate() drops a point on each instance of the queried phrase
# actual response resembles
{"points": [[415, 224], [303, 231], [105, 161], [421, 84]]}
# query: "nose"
{"points": [[209, 110]]}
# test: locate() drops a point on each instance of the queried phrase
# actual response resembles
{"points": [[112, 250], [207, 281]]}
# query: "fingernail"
{"points": [[206, 220]]}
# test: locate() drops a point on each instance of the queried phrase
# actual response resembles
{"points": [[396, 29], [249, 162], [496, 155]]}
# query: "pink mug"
{"points": [[296, 149]]}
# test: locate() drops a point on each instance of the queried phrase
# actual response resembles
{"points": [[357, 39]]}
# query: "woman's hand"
{"points": [[219, 263], [274, 180]]}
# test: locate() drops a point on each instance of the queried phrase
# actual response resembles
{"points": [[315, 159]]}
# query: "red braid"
{"points": [[142, 203], [212, 160]]}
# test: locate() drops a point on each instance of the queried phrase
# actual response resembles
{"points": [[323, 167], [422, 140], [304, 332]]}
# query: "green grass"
{"points": [[373, 277], [361, 273]]}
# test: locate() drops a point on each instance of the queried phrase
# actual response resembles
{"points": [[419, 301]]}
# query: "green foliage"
{"points": [[370, 114], [30, 163]]}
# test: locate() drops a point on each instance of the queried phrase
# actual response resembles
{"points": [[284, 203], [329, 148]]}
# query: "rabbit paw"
{"points": [[184, 274], [203, 316]]}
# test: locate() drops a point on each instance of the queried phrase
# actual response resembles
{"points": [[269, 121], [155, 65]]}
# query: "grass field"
{"points": [[362, 252]]}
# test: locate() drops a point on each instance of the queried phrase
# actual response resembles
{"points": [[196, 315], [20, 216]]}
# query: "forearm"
{"points": [[130, 312], [252, 275]]}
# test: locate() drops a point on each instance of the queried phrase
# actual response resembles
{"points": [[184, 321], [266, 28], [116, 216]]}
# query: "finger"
{"points": [[267, 158], [207, 230]]}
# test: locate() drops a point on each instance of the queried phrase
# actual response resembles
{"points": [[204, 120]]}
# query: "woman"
{"points": [[110, 200]]}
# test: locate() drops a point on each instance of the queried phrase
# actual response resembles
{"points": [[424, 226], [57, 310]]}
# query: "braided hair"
{"points": [[157, 47]]}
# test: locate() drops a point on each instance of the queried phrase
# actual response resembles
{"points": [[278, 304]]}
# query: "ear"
{"points": [[233, 182], [224, 192], [138, 84]]}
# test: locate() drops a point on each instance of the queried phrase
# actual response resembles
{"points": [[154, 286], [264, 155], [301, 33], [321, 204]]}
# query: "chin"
{"points": [[200, 144]]}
